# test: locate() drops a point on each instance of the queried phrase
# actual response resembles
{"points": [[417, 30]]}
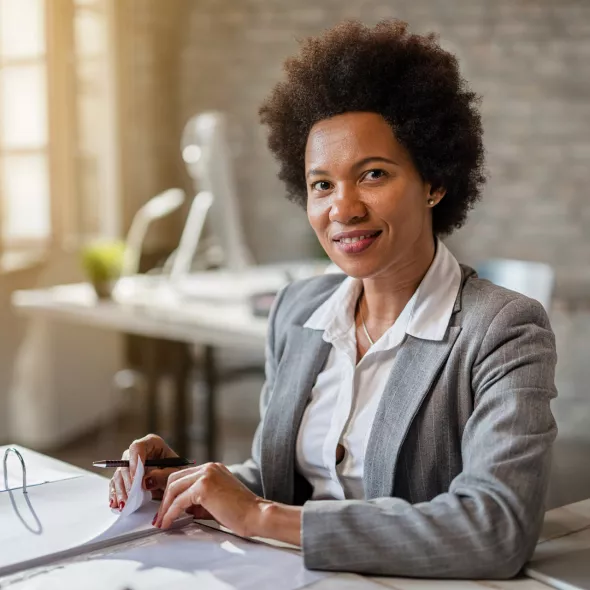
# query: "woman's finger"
{"points": [[148, 446], [112, 495], [121, 494], [181, 473], [138, 450], [127, 481], [151, 446], [113, 492], [177, 507], [173, 489]]}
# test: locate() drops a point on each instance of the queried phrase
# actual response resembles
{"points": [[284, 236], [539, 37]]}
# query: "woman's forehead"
{"points": [[350, 137]]}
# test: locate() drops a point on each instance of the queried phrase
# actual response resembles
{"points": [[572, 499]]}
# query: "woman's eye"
{"points": [[321, 185], [375, 174]]}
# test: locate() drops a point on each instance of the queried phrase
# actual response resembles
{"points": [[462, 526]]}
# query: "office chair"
{"points": [[533, 279], [157, 207]]}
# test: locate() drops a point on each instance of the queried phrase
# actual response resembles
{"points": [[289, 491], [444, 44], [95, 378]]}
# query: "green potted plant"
{"points": [[102, 262]]}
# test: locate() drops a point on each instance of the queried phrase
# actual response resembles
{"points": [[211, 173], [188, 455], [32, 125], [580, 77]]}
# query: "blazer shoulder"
{"points": [[482, 300], [301, 298]]}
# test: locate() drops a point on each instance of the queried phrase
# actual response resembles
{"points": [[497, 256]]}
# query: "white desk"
{"points": [[560, 526], [159, 313], [565, 531]]}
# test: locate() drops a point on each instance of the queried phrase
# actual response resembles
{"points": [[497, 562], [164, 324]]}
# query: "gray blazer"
{"points": [[457, 462]]}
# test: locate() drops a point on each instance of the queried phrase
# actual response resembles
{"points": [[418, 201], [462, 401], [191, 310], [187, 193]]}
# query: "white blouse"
{"points": [[345, 396]]}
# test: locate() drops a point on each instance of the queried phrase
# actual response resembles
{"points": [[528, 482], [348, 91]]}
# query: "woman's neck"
{"points": [[385, 297]]}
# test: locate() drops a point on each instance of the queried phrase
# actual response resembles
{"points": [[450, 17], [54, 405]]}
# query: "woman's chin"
{"points": [[361, 268]]}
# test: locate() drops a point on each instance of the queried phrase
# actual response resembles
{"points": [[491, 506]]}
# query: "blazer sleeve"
{"points": [[488, 523], [249, 471]]}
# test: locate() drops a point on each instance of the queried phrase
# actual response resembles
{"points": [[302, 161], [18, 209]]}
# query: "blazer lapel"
{"points": [[416, 366], [306, 352]]}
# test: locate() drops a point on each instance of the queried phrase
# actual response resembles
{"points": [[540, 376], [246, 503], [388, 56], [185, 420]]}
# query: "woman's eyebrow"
{"points": [[316, 172], [365, 161], [356, 165]]}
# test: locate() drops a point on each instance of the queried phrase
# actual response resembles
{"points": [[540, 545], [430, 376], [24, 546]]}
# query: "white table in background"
{"points": [[159, 313]]}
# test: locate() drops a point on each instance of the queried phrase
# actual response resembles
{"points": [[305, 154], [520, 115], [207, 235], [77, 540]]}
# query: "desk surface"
{"points": [[158, 313], [560, 524]]}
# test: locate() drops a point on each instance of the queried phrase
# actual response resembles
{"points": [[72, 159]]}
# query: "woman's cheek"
{"points": [[318, 214]]}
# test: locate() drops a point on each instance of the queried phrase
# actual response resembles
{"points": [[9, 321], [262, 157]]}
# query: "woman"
{"points": [[406, 425]]}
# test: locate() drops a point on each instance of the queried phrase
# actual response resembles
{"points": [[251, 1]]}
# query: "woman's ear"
{"points": [[435, 195]]}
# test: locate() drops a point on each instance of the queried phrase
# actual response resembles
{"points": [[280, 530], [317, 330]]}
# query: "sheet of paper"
{"points": [[194, 557], [137, 496], [61, 517], [137, 514], [40, 469]]}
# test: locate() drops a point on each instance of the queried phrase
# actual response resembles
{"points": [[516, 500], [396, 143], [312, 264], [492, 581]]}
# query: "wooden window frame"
{"points": [[66, 226], [28, 244]]}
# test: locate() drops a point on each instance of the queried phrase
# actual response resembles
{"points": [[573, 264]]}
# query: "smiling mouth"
{"points": [[355, 239], [356, 245]]}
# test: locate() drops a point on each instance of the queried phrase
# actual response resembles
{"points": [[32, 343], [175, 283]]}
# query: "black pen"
{"points": [[168, 462]]}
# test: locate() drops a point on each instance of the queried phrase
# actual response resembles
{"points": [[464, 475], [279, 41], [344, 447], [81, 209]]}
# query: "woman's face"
{"points": [[366, 201]]}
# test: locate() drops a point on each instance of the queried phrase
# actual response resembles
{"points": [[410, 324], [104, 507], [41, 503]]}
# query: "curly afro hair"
{"points": [[406, 78]]}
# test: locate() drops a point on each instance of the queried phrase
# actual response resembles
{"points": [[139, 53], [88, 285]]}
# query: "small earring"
{"points": [[430, 202]]}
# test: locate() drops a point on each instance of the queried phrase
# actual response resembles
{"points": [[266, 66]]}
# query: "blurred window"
{"points": [[58, 157], [95, 156], [25, 213]]}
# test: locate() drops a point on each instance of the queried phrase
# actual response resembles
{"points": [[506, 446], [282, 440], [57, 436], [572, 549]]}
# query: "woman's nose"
{"points": [[346, 205]]}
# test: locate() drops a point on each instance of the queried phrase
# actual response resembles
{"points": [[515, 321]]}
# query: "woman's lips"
{"points": [[358, 246]]}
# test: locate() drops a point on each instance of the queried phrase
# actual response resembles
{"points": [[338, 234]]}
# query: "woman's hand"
{"points": [[211, 489], [148, 447]]}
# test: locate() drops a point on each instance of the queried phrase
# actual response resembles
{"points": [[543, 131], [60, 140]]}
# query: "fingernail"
{"points": [[155, 518], [121, 506], [149, 483]]}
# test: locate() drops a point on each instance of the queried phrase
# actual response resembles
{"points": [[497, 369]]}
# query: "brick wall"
{"points": [[529, 59]]}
